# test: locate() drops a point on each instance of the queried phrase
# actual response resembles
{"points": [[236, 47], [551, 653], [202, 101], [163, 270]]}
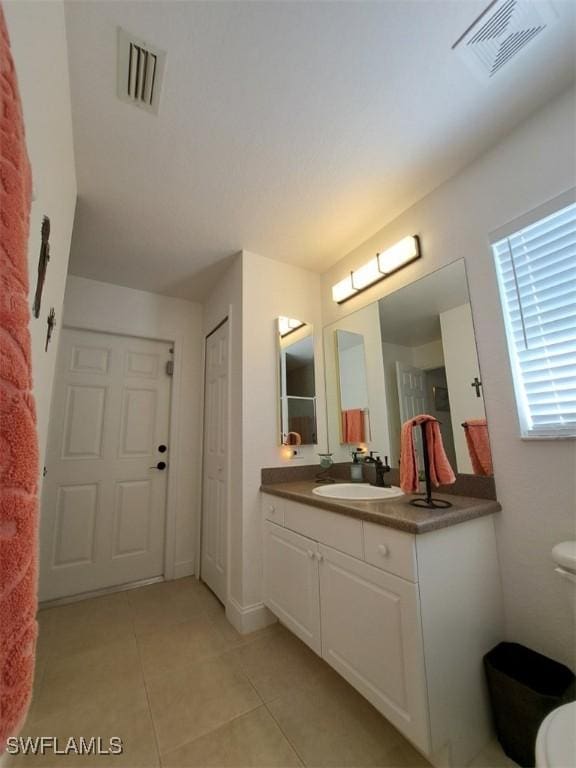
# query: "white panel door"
{"points": [[371, 634], [103, 499], [412, 396], [411, 391], [215, 463], [291, 586]]}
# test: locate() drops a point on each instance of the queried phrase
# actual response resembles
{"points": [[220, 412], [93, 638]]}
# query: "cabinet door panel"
{"points": [[371, 634], [291, 582]]}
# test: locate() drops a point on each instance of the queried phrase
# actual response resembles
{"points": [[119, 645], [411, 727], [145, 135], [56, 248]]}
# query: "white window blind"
{"points": [[536, 268]]}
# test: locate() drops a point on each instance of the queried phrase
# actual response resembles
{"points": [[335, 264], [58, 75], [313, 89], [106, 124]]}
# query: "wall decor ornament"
{"points": [[50, 322], [42, 265]]}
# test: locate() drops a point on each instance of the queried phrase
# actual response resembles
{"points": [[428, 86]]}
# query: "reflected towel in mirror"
{"points": [[441, 473], [293, 438], [353, 426], [478, 442]]}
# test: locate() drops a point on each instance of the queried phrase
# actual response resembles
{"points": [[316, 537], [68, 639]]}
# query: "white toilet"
{"points": [[556, 740]]}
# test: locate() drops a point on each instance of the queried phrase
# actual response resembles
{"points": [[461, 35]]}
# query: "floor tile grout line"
{"points": [[214, 730], [232, 719], [203, 612], [210, 656], [283, 732], [148, 702], [276, 721]]}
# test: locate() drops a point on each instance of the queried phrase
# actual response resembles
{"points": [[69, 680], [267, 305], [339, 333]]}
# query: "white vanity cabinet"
{"points": [[404, 618], [364, 621]]}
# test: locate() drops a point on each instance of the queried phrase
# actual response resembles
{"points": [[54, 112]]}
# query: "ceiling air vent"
{"points": [[140, 72], [501, 32]]}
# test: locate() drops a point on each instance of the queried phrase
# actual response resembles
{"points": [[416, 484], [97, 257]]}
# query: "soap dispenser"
{"points": [[356, 474]]}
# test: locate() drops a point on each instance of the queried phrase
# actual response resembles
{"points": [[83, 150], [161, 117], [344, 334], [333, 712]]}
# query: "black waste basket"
{"points": [[524, 687]]}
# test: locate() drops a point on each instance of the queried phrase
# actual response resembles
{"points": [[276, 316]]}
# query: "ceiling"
{"points": [[411, 315], [291, 129]]}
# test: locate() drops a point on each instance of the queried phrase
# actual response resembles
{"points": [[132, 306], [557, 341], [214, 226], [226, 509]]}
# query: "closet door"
{"points": [[371, 634], [291, 582], [215, 464]]}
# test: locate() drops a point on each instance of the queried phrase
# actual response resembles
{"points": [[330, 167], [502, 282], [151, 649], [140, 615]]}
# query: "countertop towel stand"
{"points": [[428, 502]]}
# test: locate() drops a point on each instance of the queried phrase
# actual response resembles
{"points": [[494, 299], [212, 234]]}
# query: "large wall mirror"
{"points": [[412, 352], [297, 382]]}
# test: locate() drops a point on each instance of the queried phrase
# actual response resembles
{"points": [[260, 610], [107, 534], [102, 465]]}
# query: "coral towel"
{"points": [[440, 470], [353, 426], [18, 441], [478, 441]]}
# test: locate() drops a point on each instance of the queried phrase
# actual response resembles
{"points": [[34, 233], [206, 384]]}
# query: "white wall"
{"points": [[270, 289], [110, 308], [535, 479], [38, 40], [430, 355]]}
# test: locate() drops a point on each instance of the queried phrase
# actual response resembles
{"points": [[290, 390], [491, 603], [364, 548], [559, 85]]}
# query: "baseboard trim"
{"points": [[184, 569], [248, 618], [57, 601]]}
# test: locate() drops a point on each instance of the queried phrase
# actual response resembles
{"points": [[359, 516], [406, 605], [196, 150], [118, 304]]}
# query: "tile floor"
{"points": [[161, 668]]}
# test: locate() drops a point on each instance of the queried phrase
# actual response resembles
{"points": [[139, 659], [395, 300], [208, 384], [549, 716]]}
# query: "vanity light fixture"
{"points": [[382, 265], [287, 325]]}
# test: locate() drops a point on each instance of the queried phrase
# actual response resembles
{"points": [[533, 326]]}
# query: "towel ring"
{"points": [[428, 502]]}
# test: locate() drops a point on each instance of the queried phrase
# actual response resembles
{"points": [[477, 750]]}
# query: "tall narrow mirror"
{"points": [[411, 352], [297, 382]]}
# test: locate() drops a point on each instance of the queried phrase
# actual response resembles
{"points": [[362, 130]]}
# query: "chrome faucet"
{"points": [[380, 468]]}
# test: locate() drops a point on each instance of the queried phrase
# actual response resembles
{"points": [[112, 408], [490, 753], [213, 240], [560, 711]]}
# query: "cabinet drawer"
{"points": [[393, 551], [273, 508], [342, 533]]}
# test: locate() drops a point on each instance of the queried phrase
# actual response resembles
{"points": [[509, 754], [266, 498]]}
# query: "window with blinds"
{"points": [[536, 267]]}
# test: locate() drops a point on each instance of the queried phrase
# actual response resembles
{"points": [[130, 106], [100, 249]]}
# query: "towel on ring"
{"points": [[441, 472], [353, 426], [478, 442]]}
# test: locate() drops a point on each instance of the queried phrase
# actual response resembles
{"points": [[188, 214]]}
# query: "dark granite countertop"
{"points": [[394, 513]]}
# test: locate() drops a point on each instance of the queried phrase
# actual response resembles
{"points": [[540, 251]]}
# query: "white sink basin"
{"points": [[357, 492]]}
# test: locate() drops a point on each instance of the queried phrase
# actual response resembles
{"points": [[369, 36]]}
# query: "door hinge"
{"points": [[170, 367]]}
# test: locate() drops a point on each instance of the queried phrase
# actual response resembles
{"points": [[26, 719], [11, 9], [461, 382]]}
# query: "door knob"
{"points": [[161, 466], [162, 448]]}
